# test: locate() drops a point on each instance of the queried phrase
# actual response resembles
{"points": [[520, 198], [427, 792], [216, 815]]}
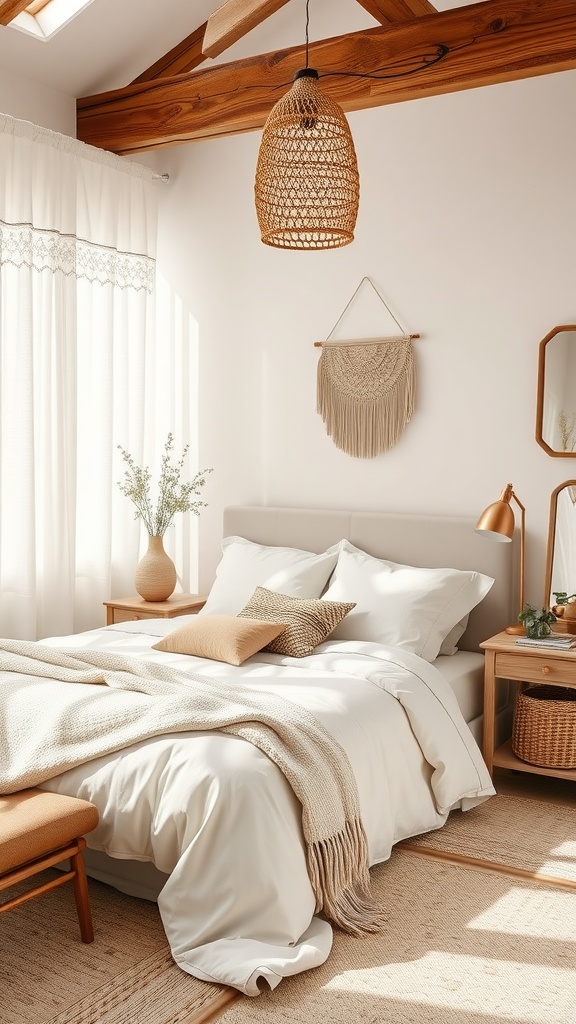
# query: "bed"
{"points": [[208, 823]]}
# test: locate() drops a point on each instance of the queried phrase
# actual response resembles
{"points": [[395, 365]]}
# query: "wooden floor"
{"points": [[538, 787]]}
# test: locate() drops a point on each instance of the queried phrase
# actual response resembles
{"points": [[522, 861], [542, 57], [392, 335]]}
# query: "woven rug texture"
{"points": [[461, 946], [515, 831], [126, 976]]}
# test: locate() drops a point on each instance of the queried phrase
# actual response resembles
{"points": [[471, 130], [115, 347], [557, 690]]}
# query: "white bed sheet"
{"points": [[216, 815], [464, 672]]}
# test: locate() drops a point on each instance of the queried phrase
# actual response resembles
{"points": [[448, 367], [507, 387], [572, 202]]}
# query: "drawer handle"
{"points": [[136, 617], [545, 670]]}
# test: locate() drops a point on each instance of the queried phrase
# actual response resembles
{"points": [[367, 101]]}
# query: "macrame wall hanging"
{"points": [[365, 388]]}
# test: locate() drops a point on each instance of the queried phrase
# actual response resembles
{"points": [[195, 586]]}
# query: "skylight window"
{"points": [[43, 18]]}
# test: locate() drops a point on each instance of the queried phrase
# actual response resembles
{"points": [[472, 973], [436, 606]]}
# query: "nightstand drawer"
{"points": [[535, 669], [120, 615]]}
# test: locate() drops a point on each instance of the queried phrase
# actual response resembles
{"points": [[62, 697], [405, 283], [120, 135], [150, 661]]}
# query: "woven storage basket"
{"points": [[544, 730]]}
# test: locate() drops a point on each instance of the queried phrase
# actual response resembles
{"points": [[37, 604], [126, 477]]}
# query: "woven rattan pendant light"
{"points": [[307, 185]]}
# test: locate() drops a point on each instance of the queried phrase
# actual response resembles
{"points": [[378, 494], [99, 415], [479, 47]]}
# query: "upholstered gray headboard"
{"points": [[427, 541]]}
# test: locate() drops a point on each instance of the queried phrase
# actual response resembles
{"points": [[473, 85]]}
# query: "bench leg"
{"points": [[81, 894]]}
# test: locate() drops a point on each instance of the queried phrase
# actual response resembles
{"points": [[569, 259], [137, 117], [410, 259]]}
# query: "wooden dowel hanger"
{"points": [[366, 341]]}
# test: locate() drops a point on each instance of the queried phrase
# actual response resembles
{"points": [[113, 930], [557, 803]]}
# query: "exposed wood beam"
{"points": [[10, 9], [483, 44], [188, 54], [37, 5], [184, 57], [233, 20], [389, 12]]}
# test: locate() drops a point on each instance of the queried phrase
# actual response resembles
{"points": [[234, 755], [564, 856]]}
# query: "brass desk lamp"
{"points": [[497, 523]]}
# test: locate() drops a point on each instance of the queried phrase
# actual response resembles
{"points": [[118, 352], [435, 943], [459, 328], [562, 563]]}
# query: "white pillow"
{"points": [[245, 566], [401, 605], [449, 646]]}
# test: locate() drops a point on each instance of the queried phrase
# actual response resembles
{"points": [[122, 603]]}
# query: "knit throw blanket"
{"points": [[63, 709]]}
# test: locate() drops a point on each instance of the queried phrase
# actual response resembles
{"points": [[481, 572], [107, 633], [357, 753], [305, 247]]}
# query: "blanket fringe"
{"points": [[340, 878]]}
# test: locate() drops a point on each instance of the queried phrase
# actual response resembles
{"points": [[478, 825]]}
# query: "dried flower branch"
{"points": [[172, 497], [567, 427]]}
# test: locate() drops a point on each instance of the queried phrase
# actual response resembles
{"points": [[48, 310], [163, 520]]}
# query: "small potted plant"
{"points": [[536, 622]]}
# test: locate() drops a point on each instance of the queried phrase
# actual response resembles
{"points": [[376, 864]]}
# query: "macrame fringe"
{"points": [[366, 404], [338, 870]]}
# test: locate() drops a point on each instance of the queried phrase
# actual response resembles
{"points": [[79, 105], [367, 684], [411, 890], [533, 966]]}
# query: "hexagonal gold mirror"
{"points": [[556, 399]]}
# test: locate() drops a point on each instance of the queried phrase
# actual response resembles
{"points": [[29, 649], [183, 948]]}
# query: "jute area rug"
{"points": [[463, 943], [516, 835], [126, 976]]}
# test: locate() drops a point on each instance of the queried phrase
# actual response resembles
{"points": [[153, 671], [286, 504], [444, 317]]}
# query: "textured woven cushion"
{"points": [[221, 638], [34, 822], [309, 621]]}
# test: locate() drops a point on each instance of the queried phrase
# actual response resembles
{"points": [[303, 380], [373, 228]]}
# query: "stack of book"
{"points": [[556, 641]]}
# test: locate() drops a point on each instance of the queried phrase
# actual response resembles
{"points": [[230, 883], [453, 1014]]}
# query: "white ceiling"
{"points": [[112, 41]]}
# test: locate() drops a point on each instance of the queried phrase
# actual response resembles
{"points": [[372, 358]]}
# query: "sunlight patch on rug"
{"points": [[562, 862], [463, 983], [532, 912]]}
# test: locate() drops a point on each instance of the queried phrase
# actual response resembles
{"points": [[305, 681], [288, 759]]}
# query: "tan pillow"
{"points": [[309, 621], [221, 638]]}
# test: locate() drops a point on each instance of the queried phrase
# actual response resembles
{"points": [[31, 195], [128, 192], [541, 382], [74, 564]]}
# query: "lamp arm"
{"points": [[522, 545]]}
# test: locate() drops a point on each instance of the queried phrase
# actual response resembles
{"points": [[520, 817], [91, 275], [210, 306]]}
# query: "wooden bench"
{"points": [[37, 830]]}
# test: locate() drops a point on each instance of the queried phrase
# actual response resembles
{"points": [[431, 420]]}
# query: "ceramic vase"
{"points": [[156, 574]]}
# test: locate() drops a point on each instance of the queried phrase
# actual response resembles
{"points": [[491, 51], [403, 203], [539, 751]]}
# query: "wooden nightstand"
{"points": [[126, 609], [504, 659]]}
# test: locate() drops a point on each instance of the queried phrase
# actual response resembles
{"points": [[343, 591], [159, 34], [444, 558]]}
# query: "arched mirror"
{"points": [[556, 400], [561, 554]]}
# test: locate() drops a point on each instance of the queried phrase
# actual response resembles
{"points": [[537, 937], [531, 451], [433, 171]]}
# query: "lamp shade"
{"points": [[497, 521], [307, 184]]}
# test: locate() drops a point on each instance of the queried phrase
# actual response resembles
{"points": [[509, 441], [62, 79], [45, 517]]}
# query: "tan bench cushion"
{"points": [[34, 822]]}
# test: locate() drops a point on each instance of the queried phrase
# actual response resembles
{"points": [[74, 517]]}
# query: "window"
{"points": [[43, 18]]}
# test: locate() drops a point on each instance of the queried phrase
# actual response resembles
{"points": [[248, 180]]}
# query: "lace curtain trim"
{"points": [[23, 245]]}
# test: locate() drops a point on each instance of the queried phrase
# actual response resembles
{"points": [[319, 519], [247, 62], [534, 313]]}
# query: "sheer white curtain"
{"points": [[79, 374]]}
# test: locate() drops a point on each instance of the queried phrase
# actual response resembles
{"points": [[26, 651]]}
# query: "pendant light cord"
{"points": [[394, 70]]}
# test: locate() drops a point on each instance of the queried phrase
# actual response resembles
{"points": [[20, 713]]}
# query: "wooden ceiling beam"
{"points": [[390, 12], [36, 6], [463, 48], [233, 20], [10, 9], [182, 58]]}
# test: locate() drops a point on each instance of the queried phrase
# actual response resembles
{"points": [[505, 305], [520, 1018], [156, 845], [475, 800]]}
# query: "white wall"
{"points": [[29, 101], [467, 225]]}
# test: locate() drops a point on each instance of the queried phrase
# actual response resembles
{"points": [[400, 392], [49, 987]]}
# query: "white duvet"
{"points": [[216, 815]]}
